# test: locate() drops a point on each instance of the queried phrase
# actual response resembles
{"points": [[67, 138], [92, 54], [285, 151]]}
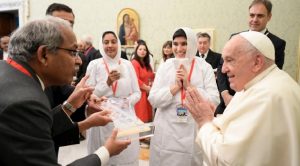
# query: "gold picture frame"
{"points": [[128, 27], [298, 69]]}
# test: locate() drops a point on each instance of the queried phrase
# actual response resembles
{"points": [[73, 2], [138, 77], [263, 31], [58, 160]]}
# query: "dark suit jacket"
{"points": [[213, 58], [86, 59], [1, 54], [222, 79], [279, 46], [27, 123], [123, 55]]}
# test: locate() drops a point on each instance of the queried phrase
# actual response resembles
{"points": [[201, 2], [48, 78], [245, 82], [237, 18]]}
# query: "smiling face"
{"points": [[179, 47], [167, 50], [203, 44], [258, 17], [110, 45], [239, 64]]}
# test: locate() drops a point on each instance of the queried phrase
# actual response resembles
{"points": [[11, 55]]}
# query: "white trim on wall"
{"points": [[21, 5]]}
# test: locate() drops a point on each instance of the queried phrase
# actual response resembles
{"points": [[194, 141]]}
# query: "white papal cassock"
{"points": [[260, 126]]}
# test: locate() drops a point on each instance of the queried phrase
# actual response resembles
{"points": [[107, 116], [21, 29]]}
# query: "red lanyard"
{"points": [[189, 79], [115, 84], [18, 66]]}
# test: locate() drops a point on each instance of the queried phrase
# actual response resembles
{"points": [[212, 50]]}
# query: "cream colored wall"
{"points": [[158, 19]]}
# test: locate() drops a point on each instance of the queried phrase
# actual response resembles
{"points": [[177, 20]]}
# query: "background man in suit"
{"points": [[89, 53], [4, 40], [260, 13], [27, 123], [205, 52], [59, 94]]}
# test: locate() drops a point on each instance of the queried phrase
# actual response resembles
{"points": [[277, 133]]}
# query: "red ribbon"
{"points": [[18, 66], [115, 84], [189, 79]]}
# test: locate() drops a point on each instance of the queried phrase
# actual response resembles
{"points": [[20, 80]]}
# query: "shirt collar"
{"points": [[259, 77], [263, 31], [205, 54], [41, 82]]}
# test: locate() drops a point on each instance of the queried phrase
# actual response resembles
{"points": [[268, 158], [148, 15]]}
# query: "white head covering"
{"points": [[261, 42], [105, 56], [191, 42]]}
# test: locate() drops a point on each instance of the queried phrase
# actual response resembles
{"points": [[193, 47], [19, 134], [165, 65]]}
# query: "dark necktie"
{"points": [[202, 55]]}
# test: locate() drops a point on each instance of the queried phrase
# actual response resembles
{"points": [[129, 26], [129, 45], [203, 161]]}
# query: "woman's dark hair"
{"points": [[146, 60], [166, 44], [109, 32], [179, 33]]}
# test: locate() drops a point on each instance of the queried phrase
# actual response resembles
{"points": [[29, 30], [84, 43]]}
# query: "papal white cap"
{"points": [[261, 42]]}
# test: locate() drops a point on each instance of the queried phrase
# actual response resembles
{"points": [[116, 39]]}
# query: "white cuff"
{"points": [[103, 154]]}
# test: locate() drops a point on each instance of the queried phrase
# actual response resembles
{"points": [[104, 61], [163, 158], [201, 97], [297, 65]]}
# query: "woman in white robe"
{"points": [[110, 83], [173, 142]]}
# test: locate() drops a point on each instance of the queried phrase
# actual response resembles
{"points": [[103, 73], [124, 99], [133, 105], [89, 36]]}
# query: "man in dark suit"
{"points": [[204, 51], [59, 94], [27, 123], [89, 53], [260, 13]]}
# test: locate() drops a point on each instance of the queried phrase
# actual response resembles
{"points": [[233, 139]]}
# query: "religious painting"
{"points": [[209, 31], [128, 26]]}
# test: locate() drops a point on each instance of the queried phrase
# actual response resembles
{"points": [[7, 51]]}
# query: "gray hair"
{"points": [[26, 40], [87, 39]]}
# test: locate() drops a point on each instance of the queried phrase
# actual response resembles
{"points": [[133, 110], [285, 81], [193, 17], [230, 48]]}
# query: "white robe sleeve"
{"points": [[98, 78], [160, 94], [209, 90], [136, 93], [229, 138]]}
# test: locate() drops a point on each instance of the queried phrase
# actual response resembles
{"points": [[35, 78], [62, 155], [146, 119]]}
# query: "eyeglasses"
{"points": [[73, 53]]}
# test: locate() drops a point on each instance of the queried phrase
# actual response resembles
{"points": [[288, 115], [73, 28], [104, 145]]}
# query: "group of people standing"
{"points": [[185, 90]]}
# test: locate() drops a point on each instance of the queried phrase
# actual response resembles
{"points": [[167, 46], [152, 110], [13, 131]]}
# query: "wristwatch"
{"points": [[68, 107]]}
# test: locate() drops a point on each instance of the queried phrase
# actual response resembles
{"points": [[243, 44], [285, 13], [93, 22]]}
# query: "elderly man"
{"points": [[260, 13], [27, 123], [4, 46], [260, 126]]}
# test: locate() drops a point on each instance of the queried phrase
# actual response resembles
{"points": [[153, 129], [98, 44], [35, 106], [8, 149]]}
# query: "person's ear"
{"points": [[42, 54], [258, 63]]}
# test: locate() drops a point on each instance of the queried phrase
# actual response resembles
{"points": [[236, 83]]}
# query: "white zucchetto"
{"points": [[261, 42]]}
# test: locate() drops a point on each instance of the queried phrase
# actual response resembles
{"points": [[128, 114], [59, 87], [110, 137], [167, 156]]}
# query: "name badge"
{"points": [[182, 114]]}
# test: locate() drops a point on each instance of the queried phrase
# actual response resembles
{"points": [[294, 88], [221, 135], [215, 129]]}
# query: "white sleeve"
{"points": [[98, 78], [239, 132], [90, 71], [136, 93], [103, 154], [160, 94], [210, 89]]}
